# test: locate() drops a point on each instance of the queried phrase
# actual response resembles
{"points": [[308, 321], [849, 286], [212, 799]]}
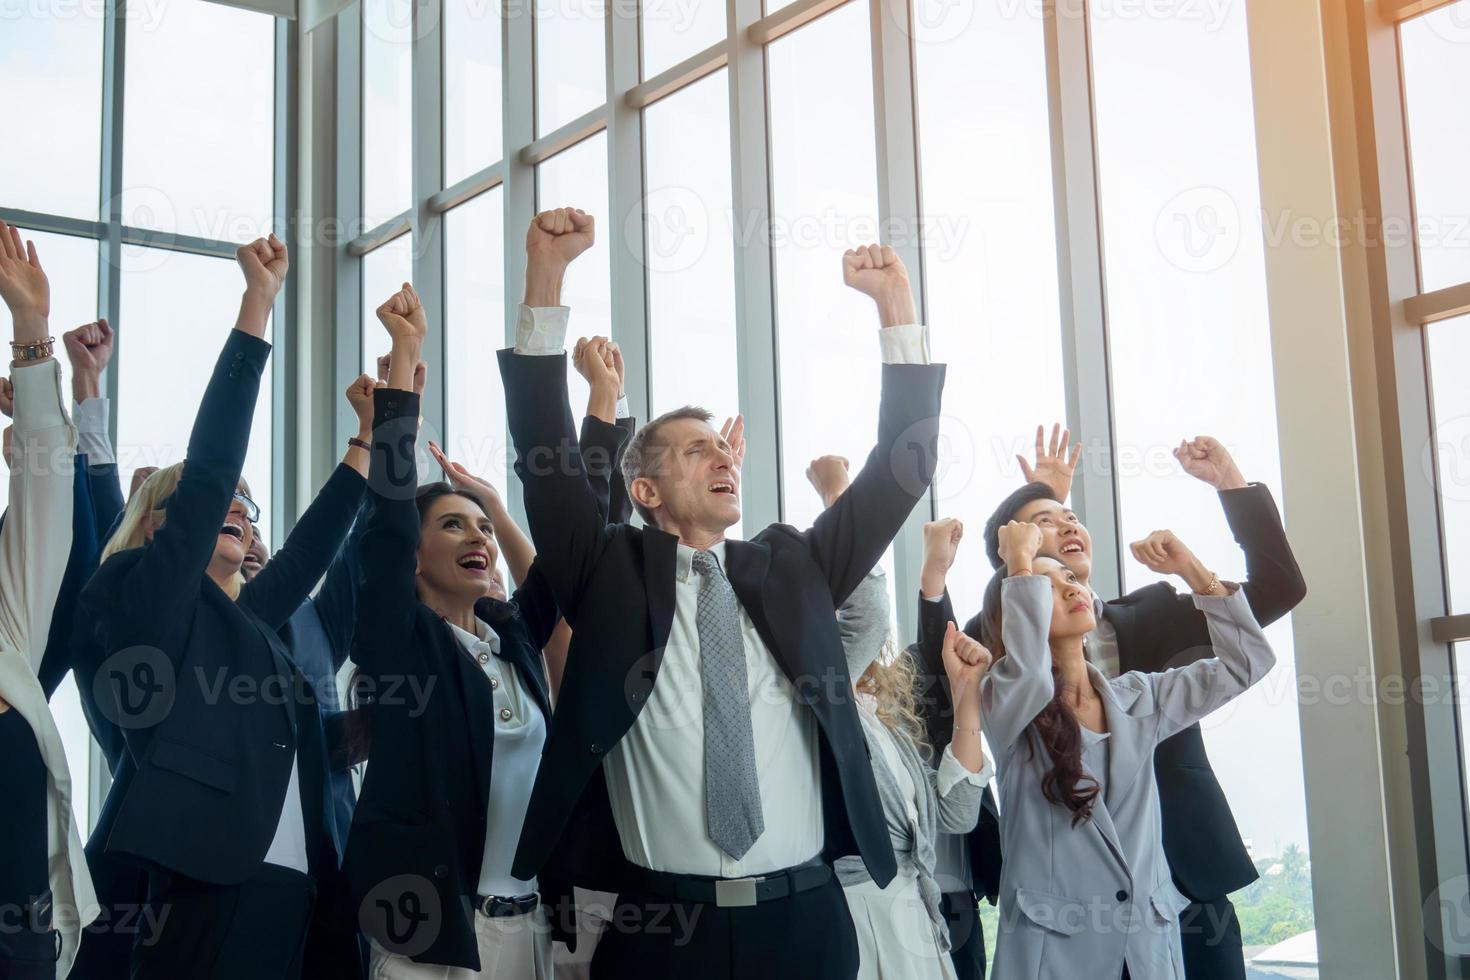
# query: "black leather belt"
{"points": [[497, 907], [732, 892]]}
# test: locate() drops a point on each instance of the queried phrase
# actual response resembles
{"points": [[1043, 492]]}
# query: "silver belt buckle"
{"points": [[735, 892]]}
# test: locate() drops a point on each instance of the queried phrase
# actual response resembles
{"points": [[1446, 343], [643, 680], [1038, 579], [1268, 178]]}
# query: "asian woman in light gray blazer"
{"points": [[1086, 890]]}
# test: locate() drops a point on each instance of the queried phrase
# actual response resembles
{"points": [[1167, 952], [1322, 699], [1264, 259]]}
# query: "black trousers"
{"points": [[251, 931], [808, 936], [966, 937], [26, 955], [1210, 935]]}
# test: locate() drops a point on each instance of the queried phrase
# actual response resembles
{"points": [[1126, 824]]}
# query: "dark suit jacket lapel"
{"points": [[660, 560], [746, 564]]}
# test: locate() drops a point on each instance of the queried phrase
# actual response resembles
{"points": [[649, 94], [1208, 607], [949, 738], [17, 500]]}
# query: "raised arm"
{"points": [[959, 780], [36, 536], [1239, 652], [387, 598], [562, 511], [1020, 683], [848, 538], [166, 577]]}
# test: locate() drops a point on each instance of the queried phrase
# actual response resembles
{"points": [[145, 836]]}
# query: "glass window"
{"points": [[177, 311], [198, 137], [53, 164], [1191, 354], [1449, 352], [571, 61], [1436, 90], [990, 254], [387, 110], [474, 255], [71, 266], [577, 178], [824, 200], [691, 249], [673, 31], [472, 93], [384, 271]]}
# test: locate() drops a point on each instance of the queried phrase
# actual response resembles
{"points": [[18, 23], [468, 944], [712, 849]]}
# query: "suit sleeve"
{"points": [[566, 522], [936, 705], [1020, 684], [1274, 586], [107, 498], [336, 601], [165, 579], [387, 596], [537, 606], [848, 538], [602, 449], [288, 578], [620, 504], [1242, 656], [79, 565]]}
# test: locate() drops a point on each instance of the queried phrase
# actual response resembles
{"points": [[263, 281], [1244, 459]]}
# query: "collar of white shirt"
{"points": [[684, 561], [488, 637]]}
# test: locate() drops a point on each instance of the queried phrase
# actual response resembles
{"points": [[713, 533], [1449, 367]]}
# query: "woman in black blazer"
{"points": [[455, 704], [221, 794]]}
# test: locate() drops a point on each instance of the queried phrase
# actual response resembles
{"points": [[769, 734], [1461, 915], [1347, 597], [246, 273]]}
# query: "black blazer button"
{"points": [[441, 871], [595, 748], [1122, 896]]}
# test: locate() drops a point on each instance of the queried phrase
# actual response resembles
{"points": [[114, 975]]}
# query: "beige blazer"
{"points": [[34, 544]]}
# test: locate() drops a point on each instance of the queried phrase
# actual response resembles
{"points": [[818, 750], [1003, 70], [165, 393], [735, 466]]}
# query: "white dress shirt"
{"points": [[1101, 645], [288, 846], [91, 418], [655, 774], [520, 734]]}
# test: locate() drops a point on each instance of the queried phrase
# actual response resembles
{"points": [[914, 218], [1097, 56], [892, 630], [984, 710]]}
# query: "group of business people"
{"points": [[654, 751]]}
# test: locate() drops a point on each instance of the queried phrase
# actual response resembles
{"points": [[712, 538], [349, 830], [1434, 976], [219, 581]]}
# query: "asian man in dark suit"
{"points": [[706, 762]]}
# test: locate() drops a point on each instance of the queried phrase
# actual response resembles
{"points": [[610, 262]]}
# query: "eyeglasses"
{"points": [[252, 509]]}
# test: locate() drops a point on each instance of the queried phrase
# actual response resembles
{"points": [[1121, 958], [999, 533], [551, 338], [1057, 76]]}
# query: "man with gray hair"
{"points": [[706, 761]]}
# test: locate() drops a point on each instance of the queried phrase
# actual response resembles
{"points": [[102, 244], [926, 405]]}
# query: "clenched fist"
{"points": [[1019, 542], [1163, 552], [89, 349], [828, 475], [1206, 459], [559, 236], [877, 272], [402, 315], [941, 545], [264, 263], [965, 662], [360, 397]]}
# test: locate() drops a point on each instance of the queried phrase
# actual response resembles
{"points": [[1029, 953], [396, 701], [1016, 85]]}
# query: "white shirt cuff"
{"points": [[951, 772], [38, 401], [623, 407], [541, 330], [931, 598], [91, 417], [905, 344]]}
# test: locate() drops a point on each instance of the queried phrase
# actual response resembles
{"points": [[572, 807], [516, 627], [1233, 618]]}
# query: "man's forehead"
{"points": [[681, 432], [1036, 508]]}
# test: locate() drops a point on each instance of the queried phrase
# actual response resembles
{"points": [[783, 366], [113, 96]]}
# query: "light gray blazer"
{"points": [[1081, 901]]}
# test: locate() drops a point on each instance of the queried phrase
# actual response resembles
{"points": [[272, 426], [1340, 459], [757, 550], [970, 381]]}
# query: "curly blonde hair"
{"points": [[890, 681]]}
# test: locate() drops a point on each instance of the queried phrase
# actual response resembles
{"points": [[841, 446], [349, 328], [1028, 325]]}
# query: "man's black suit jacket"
{"points": [[615, 585], [1159, 629]]}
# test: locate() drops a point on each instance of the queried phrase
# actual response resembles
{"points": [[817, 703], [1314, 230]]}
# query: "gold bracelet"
{"points": [[37, 350], [970, 731], [1215, 587]]}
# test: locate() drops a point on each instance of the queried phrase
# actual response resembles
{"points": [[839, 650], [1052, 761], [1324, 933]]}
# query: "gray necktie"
{"points": [[732, 797]]}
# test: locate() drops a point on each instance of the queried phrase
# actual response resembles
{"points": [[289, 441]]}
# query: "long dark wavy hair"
{"points": [[357, 725], [1066, 783]]}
